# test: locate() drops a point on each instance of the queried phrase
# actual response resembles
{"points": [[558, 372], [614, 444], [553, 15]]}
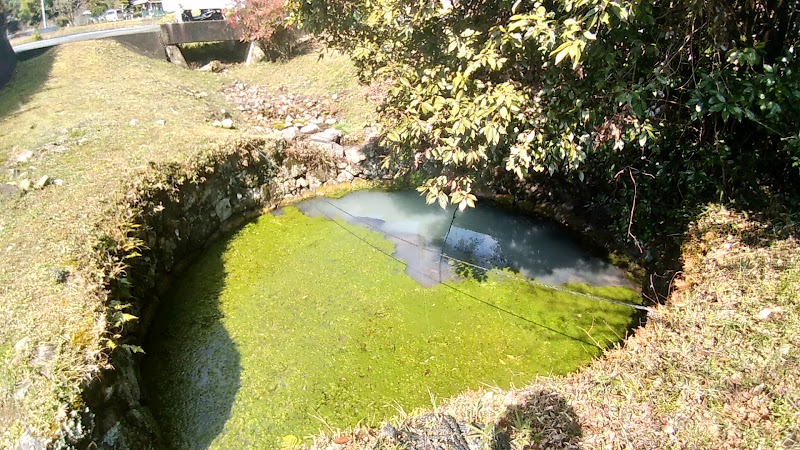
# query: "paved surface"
{"points": [[87, 36]]}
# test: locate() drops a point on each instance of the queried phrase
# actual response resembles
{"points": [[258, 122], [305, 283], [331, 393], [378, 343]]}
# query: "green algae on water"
{"points": [[293, 325]]}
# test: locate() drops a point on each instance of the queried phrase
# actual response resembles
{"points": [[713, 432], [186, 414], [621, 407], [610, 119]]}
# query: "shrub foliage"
{"points": [[657, 106]]}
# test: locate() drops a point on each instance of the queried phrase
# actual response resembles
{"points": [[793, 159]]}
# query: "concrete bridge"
{"points": [[157, 41]]}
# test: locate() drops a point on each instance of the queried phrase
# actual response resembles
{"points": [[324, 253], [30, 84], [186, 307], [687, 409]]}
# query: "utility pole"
{"points": [[44, 16]]}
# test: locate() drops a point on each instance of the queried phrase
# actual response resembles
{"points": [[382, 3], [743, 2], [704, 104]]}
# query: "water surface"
{"points": [[486, 236], [296, 323]]}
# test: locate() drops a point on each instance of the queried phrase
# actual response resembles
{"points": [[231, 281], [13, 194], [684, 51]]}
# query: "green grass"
{"points": [[295, 325]]}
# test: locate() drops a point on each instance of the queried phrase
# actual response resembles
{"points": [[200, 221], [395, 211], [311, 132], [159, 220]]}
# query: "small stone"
{"points": [[217, 124], [25, 184], [201, 94], [223, 209], [330, 121], [354, 155], [345, 177], [22, 389], [58, 182], [161, 122], [302, 183], [335, 97], [227, 123], [770, 313], [28, 442], [310, 129], [214, 66], [43, 357], [290, 134], [60, 275], [24, 157], [133, 122], [329, 135], [42, 182], [21, 345]]}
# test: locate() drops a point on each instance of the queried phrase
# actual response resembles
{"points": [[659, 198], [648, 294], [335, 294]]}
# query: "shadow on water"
{"points": [[542, 418], [28, 79], [192, 368]]}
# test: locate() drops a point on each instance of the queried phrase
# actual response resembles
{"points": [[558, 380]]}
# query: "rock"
{"points": [[255, 54], [330, 121], [310, 129], [227, 123], [161, 122], [22, 389], [43, 358], [223, 209], [331, 148], [23, 157], [335, 97], [217, 124], [214, 66], [28, 442], [58, 182], [9, 190], [60, 275], [329, 135], [355, 170], [770, 313], [24, 184], [345, 177], [42, 182], [302, 183], [354, 155], [175, 56], [296, 170], [133, 122], [290, 134]]}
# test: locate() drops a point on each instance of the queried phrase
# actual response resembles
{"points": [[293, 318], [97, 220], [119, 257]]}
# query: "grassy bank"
{"points": [[717, 367], [90, 116]]}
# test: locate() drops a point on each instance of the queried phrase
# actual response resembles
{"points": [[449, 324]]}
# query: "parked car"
{"points": [[113, 15]]}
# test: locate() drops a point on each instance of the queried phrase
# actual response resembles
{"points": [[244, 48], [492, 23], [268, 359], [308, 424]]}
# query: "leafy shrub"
{"points": [[264, 21], [651, 108]]}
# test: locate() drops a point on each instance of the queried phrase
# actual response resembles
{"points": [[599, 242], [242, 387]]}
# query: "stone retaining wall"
{"points": [[176, 210]]}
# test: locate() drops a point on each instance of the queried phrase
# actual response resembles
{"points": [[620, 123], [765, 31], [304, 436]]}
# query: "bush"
{"points": [[265, 21], [654, 108]]}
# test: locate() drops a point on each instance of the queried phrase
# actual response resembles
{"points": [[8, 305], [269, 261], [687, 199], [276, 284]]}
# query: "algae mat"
{"points": [[293, 325]]}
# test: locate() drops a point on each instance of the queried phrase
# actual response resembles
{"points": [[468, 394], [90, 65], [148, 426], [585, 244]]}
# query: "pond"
{"points": [[343, 311]]}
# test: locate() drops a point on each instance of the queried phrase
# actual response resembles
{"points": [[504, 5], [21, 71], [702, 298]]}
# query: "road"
{"points": [[89, 35]]}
